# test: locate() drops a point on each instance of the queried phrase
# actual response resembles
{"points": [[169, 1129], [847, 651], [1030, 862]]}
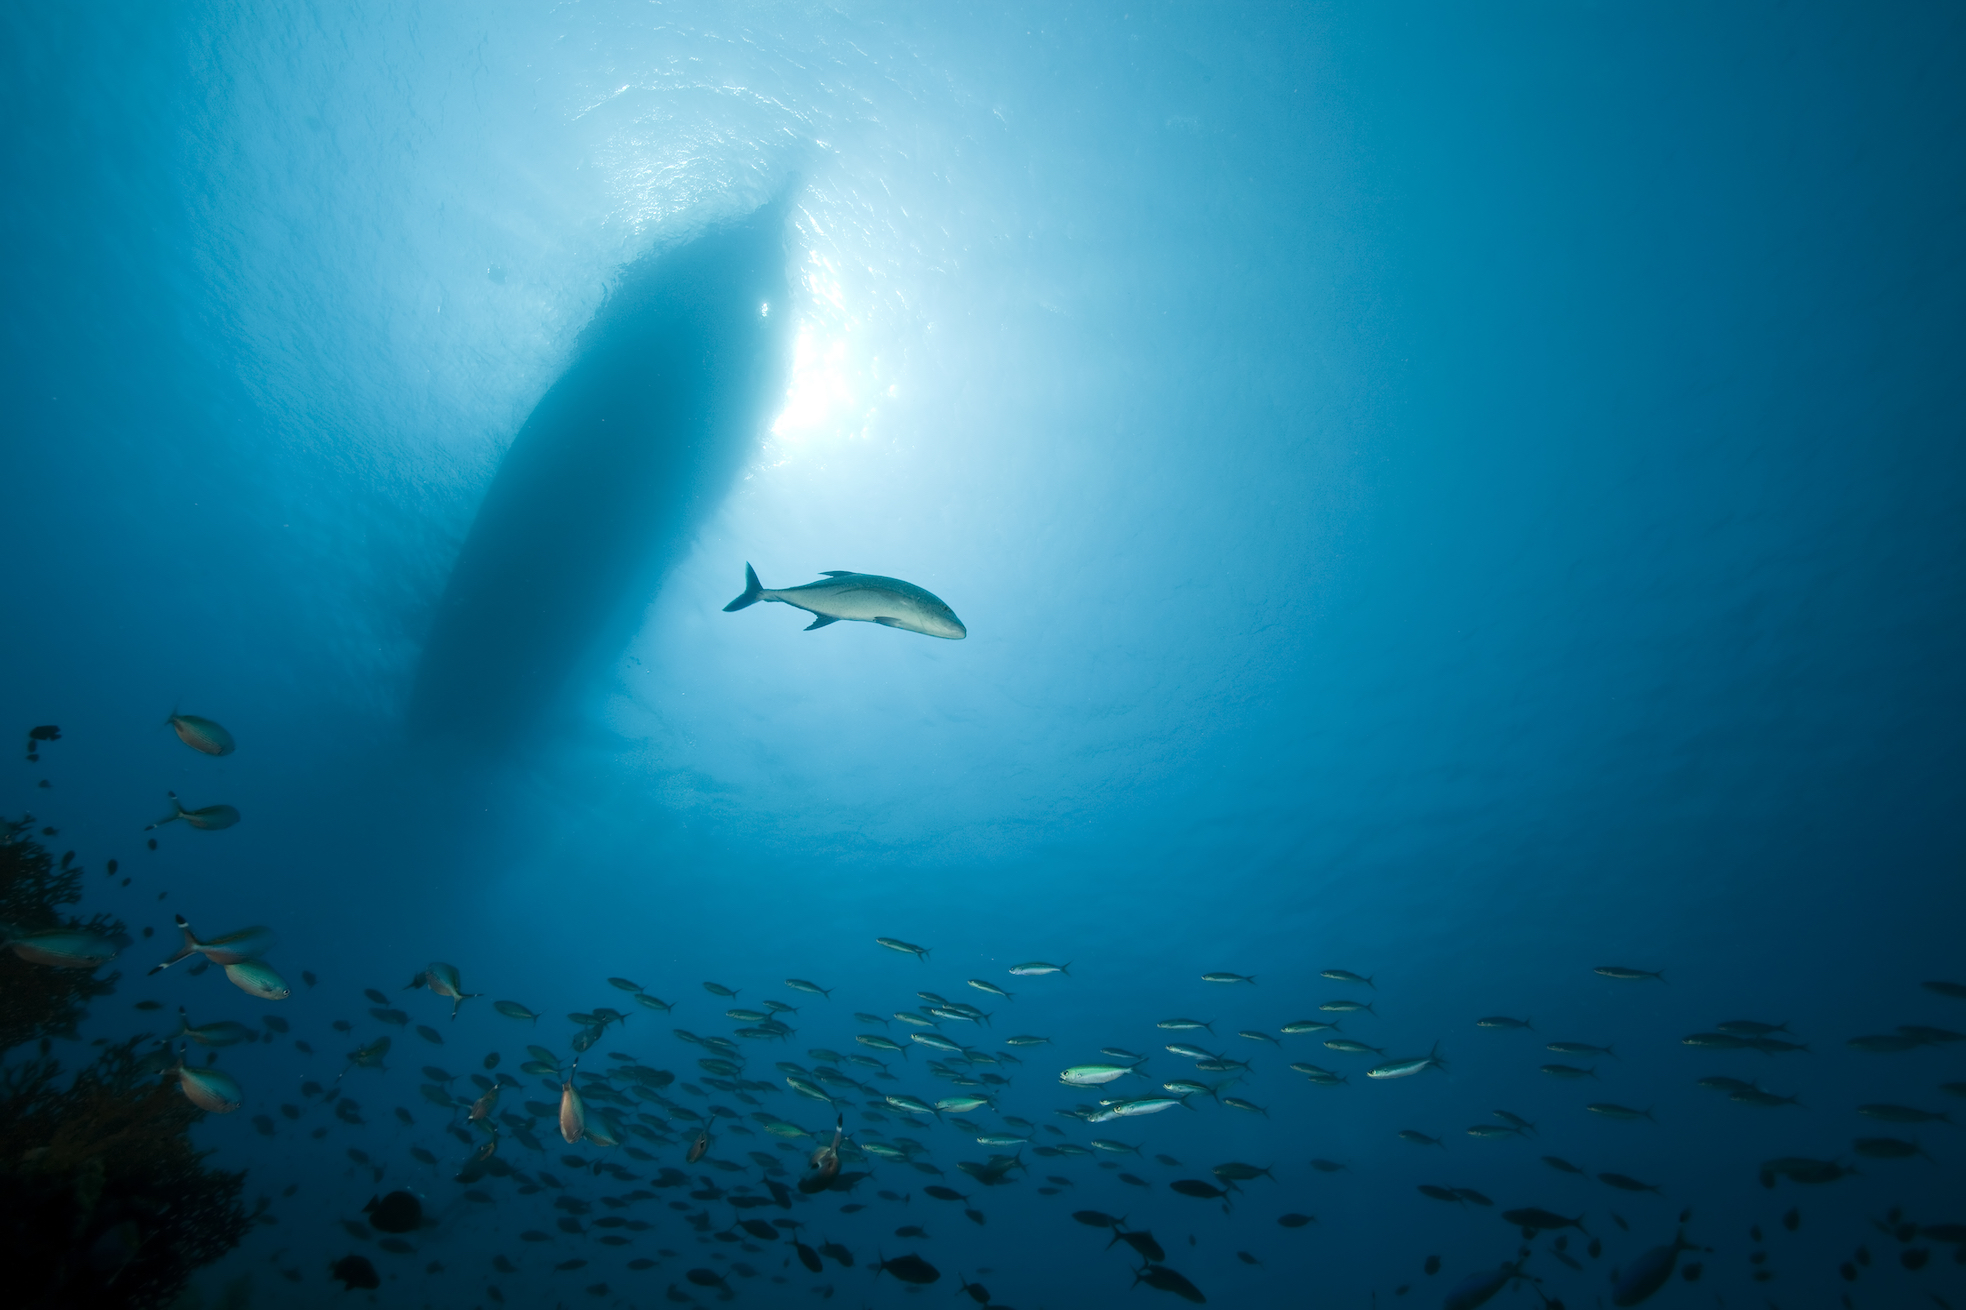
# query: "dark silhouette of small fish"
{"points": [[908, 1268], [353, 1271], [1626, 1184], [1625, 974], [398, 1212], [1538, 1220], [1161, 1278]]}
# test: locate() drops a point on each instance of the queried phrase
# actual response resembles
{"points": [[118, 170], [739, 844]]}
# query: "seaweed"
{"points": [[103, 1197], [35, 1000]]}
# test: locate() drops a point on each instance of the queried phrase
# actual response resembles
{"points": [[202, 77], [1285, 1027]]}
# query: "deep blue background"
{"points": [[1461, 497]]}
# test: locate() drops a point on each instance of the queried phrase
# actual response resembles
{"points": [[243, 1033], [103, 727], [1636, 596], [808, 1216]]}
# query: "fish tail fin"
{"points": [[1373, 985], [753, 589], [1066, 968], [177, 812], [189, 948]]}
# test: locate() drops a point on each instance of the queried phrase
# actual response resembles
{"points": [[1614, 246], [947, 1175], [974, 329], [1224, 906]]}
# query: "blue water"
{"points": [[1465, 496]]}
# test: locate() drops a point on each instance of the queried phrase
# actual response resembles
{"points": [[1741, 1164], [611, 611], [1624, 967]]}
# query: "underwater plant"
{"points": [[104, 1198]]}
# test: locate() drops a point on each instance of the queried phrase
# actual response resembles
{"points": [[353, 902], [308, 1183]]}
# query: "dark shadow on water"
{"points": [[612, 475]]}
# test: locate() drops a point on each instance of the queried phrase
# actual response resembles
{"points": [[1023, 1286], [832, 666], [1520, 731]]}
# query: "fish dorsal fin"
{"points": [[836, 573]]}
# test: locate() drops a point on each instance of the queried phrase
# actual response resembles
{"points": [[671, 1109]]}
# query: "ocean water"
{"points": [[1462, 496]]}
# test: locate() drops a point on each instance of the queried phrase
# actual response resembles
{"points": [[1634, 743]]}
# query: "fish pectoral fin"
{"points": [[820, 621], [887, 622]]}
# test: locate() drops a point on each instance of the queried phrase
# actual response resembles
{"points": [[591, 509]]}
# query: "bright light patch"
{"points": [[837, 384], [819, 396]]}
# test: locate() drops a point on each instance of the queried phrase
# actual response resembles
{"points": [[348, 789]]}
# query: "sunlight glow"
{"points": [[832, 391]]}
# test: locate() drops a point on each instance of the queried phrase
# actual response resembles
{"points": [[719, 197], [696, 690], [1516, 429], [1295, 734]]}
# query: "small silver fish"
{"points": [[1039, 968], [991, 988], [443, 979], [573, 1110], [211, 818], [232, 948], [225, 1033], [1611, 1110], [906, 948], [370, 1056], [201, 734], [62, 948], [208, 1088], [1408, 1067], [258, 978], [1228, 978], [824, 1165]]}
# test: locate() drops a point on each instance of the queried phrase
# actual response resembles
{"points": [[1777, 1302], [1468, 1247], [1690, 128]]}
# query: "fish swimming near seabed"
{"points": [[207, 1088], [63, 948], [860, 598]]}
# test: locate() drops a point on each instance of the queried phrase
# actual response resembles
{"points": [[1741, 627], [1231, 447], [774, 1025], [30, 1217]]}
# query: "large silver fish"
{"points": [[861, 598]]}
